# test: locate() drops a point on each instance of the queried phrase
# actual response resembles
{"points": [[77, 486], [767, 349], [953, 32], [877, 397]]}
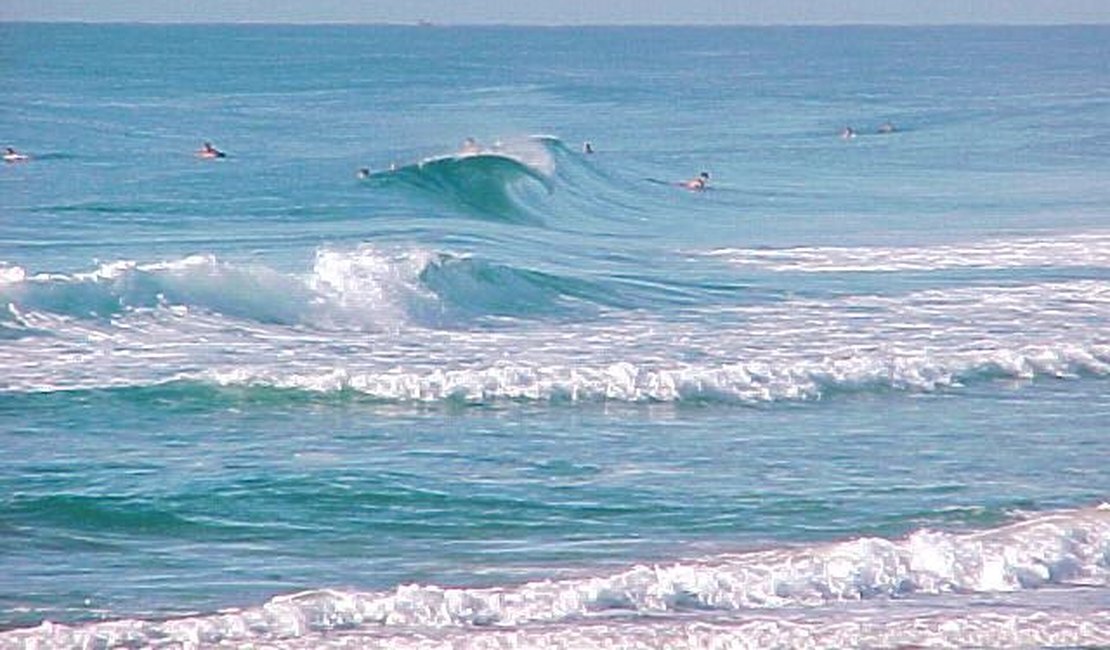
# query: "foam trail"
{"points": [[1078, 250], [776, 597], [1053, 628]]}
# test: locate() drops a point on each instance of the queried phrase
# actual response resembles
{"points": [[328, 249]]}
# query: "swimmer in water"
{"points": [[11, 155], [208, 151], [698, 183]]}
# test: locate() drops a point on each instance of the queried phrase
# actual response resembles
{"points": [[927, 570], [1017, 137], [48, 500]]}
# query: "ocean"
{"points": [[357, 384]]}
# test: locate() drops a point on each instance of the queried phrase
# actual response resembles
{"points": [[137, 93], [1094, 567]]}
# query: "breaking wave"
{"points": [[367, 288], [1019, 577], [493, 183], [536, 181], [388, 326], [745, 383]]}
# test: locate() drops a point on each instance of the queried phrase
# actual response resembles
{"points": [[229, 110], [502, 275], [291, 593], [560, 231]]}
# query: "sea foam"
{"points": [[920, 586], [1090, 249], [367, 320]]}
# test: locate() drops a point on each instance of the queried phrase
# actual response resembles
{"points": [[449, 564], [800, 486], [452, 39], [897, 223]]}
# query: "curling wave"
{"points": [[492, 183], [536, 180]]}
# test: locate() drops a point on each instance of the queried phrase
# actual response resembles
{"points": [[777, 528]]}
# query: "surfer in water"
{"points": [[11, 155], [886, 127], [698, 183], [587, 147], [208, 151], [470, 146], [848, 133], [363, 173]]}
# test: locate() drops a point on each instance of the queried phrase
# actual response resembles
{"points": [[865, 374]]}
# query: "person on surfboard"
{"points": [[11, 155], [208, 151]]}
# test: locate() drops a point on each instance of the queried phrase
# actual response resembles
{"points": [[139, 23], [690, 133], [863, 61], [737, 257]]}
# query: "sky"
{"points": [[565, 12]]}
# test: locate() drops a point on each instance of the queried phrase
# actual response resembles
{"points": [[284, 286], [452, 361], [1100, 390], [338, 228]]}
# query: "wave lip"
{"points": [[490, 183], [784, 594], [1077, 250]]}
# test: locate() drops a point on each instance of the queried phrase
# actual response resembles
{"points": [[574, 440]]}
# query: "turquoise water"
{"points": [[854, 393]]}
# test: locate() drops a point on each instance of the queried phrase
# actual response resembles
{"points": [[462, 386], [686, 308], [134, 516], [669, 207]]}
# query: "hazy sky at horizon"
{"points": [[566, 12]]}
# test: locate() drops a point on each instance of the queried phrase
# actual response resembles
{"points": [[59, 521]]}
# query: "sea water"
{"points": [[855, 393]]}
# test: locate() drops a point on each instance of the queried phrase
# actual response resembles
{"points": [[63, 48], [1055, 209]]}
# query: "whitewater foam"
{"points": [[364, 321], [1090, 249], [627, 382], [922, 585], [10, 274]]}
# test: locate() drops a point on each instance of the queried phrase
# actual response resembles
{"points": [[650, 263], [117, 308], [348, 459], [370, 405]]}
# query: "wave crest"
{"points": [[1056, 549], [491, 183], [747, 383], [253, 292], [365, 288]]}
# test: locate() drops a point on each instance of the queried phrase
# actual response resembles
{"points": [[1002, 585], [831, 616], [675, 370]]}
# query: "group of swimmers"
{"points": [[695, 184], [206, 151], [470, 146]]}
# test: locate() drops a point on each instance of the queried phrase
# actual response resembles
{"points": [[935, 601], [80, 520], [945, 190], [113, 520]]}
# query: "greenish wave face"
{"points": [[485, 185]]}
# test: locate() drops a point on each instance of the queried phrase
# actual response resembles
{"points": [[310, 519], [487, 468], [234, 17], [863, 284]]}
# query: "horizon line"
{"points": [[425, 24]]}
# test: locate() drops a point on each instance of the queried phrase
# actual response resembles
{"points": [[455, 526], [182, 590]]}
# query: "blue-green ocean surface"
{"points": [[361, 383]]}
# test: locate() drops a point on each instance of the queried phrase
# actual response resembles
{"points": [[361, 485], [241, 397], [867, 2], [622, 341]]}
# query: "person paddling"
{"points": [[208, 151], [698, 183]]}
